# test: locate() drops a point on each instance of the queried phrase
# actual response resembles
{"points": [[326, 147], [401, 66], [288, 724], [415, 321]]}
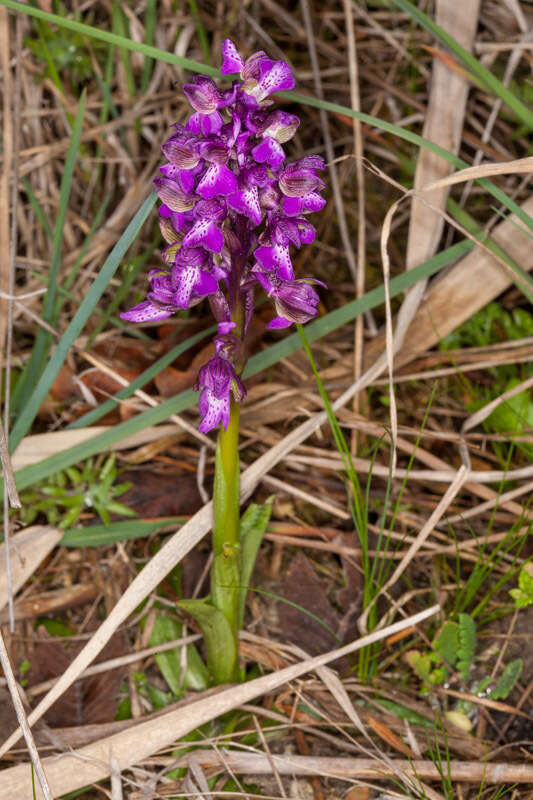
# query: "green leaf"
{"points": [[98, 535], [220, 645], [420, 663], [254, 523], [467, 645], [514, 414], [446, 643], [404, 712], [167, 629], [507, 680], [523, 596]]}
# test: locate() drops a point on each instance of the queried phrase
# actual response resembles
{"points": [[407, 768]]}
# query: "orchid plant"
{"points": [[231, 208]]}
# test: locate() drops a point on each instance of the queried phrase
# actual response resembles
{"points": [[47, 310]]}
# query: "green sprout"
{"points": [[454, 652], [63, 497], [523, 595]]}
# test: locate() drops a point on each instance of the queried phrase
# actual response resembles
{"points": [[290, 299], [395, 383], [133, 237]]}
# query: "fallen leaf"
{"points": [[307, 628], [160, 494], [171, 381], [89, 700]]}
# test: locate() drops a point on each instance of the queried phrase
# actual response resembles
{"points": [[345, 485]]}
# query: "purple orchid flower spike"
{"points": [[231, 210]]}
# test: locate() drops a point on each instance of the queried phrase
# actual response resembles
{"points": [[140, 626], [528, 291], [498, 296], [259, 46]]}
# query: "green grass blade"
{"points": [[34, 367], [73, 274], [484, 75], [120, 26], [29, 412], [27, 476], [414, 138], [200, 30], [149, 28], [135, 333], [97, 535]]}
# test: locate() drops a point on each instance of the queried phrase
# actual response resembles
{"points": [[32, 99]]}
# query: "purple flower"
{"points": [[231, 210], [217, 380], [295, 300]]}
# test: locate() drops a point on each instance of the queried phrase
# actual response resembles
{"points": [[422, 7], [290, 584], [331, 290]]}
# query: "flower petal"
{"points": [[246, 202], [307, 204], [269, 151], [278, 78], [231, 60], [172, 195], [278, 323], [146, 312], [218, 179], [205, 124], [206, 234], [276, 258]]}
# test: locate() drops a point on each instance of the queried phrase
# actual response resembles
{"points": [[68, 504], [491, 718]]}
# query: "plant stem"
{"points": [[225, 573]]}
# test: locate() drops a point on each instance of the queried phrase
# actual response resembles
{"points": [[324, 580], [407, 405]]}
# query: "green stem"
{"points": [[225, 573]]}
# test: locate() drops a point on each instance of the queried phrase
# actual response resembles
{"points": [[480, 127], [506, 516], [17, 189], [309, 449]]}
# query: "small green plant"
{"points": [[523, 595], [453, 654], [63, 497]]}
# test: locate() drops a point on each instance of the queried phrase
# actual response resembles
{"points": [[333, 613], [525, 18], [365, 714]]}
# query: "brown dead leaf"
{"points": [[155, 494], [302, 587], [385, 733], [90, 700], [128, 353], [64, 387], [101, 385], [171, 381]]}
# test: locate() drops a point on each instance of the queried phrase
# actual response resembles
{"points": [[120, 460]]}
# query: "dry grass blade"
{"points": [[28, 549], [474, 772], [33, 449], [92, 763], [7, 468]]}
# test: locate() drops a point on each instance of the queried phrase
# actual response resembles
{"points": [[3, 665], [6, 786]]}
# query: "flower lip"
{"points": [[203, 94], [172, 195]]}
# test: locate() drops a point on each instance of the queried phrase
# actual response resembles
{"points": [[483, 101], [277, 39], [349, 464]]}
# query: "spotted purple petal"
{"points": [[247, 202], [306, 204], [277, 258], [269, 151], [217, 180], [205, 124], [231, 60], [146, 312], [205, 233]]}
